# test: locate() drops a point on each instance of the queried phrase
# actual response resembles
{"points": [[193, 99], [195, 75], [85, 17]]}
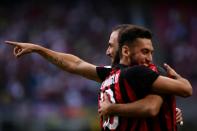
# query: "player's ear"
{"points": [[125, 50]]}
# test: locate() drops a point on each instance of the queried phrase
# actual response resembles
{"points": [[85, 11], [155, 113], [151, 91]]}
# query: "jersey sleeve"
{"points": [[161, 71], [103, 71], [140, 78]]}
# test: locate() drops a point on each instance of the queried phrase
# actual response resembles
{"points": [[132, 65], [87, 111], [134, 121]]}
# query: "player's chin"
{"points": [[144, 64], [112, 60]]}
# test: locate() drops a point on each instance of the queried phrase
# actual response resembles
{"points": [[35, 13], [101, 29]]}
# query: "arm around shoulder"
{"points": [[179, 86], [149, 106]]}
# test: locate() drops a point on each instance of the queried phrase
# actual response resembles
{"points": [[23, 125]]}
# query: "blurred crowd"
{"points": [[37, 96]]}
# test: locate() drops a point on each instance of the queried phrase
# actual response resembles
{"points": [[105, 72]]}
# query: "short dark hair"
{"points": [[119, 28], [128, 35]]}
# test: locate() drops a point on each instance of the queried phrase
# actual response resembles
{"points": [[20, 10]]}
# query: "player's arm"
{"points": [[67, 62], [178, 85], [149, 106], [146, 107], [146, 79]]}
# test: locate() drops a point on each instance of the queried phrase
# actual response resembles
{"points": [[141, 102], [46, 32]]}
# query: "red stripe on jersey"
{"points": [[143, 126], [117, 87], [171, 116], [153, 67], [173, 99]]}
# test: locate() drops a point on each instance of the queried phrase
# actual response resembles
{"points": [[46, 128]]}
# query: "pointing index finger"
{"points": [[12, 43]]}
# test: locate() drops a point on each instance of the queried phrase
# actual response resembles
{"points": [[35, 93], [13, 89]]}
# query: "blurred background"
{"points": [[37, 96]]}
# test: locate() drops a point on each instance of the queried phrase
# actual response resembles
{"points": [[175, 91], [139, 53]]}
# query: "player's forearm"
{"points": [[186, 87], [179, 86], [126, 111], [69, 63], [148, 107]]}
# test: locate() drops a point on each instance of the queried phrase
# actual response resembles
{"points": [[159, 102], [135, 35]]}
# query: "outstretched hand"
{"points": [[20, 48]]}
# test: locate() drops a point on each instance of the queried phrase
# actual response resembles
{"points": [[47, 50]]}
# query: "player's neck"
{"points": [[124, 61]]}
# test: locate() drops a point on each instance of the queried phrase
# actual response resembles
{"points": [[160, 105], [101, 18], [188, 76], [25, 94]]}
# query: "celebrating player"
{"points": [[75, 65]]}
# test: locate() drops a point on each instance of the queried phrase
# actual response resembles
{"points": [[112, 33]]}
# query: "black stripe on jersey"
{"points": [[129, 124], [112, 87], [163, 125], [103, 72], [125, 99], [123, 90], [162, 120], [138, 126]]}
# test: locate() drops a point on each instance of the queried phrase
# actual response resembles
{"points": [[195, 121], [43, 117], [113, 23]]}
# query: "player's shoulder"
{"points": [[135, 69], [104, 67], [103, 71]]}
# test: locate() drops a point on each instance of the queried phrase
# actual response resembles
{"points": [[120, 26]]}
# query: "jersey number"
{"points": [[112, 121]]}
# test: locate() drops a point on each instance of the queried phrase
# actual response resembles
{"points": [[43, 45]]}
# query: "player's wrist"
{"points": [[111, 109], [37, 48], [177, 76]]}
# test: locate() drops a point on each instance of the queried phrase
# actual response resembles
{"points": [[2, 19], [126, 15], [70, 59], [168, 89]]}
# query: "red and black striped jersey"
{"points": [[125, 85], [131, 84], [166, 119]]}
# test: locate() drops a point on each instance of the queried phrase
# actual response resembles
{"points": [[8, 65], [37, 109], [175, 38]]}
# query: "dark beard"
{"points": [[133, 61], [116, 59]]}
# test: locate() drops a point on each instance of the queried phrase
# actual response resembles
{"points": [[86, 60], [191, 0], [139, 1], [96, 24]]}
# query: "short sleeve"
{"points": [[161, 71], [103, 71], [140, 77]]}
